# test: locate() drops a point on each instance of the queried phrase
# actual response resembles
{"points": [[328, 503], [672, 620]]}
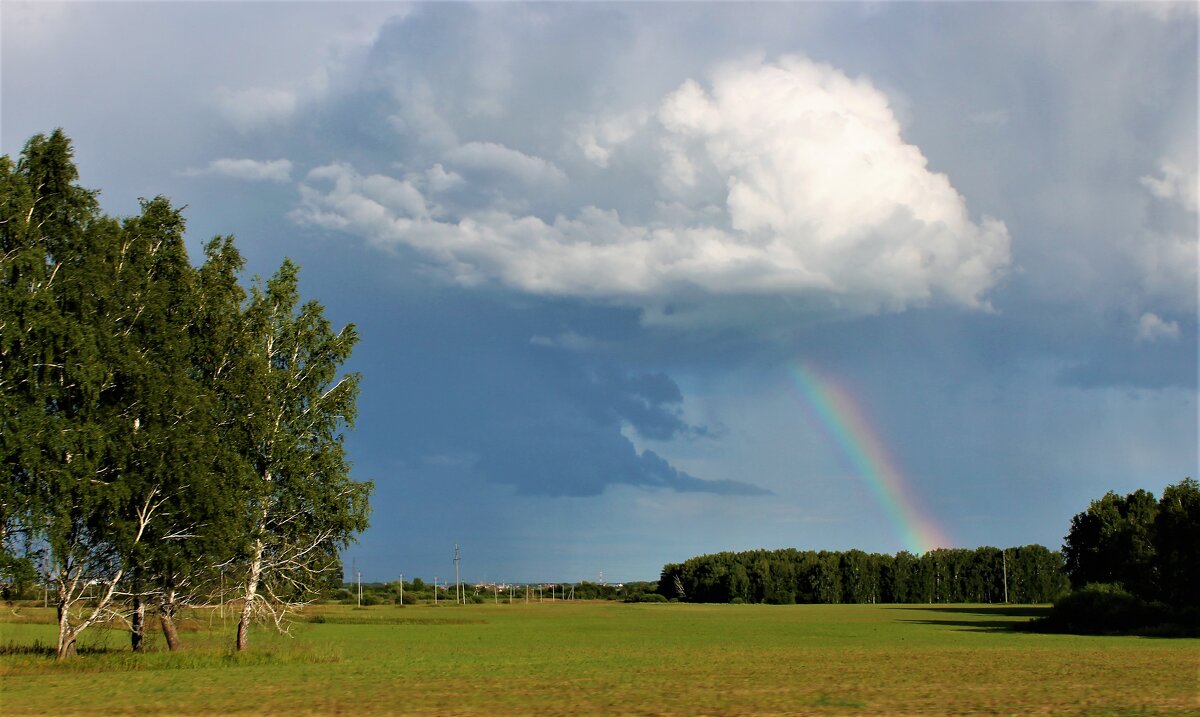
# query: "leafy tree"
{"points": [[857, 577], [901, 578], [739, 582], [1177, 544], [1112, 542], [294, 472], [154, 424], [829, 577], [1134, 563], [180, 328], [1035, 574], [25, 306], [59, 412]]}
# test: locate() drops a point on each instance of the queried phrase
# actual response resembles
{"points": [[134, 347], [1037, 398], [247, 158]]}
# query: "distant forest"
{"points": [[1029, 574]]}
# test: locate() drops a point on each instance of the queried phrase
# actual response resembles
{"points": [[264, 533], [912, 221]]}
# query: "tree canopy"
{"points": [[159, 423], [1027, 574], [1149, 547]]}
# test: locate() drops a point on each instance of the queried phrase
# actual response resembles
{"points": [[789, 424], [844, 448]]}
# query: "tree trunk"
{"points": [[166, 618], [66, 638], [251, 593], [137, 622], [67, 596], [137, 625]]}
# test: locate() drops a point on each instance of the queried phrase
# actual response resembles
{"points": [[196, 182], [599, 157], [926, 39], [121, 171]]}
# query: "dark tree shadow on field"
{"points": [[991, 610], [998, 611], [1037, 622], [977, 625]]}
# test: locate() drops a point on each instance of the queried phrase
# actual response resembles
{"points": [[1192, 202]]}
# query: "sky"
{"points": [[640, 282]]}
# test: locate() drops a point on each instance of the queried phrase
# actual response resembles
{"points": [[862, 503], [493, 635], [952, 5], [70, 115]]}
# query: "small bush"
{"points": [[645, 597]]}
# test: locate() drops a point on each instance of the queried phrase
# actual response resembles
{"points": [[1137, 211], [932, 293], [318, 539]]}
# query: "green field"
{"points": [[611, 658]]}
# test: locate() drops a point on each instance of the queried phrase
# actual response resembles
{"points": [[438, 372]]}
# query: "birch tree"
{"points": [[302, 504], [162, 456], [25, 301], [58, 422]]}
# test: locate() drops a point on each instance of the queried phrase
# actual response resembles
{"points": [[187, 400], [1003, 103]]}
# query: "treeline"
{"points": [[1029, 574], [167, 435]]}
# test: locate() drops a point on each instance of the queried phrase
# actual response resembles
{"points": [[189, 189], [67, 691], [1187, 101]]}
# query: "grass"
{"points": [[611, 658]]}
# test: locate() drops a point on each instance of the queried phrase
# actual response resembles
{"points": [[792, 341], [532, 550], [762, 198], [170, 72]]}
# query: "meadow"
{"points": [[593, 658]]}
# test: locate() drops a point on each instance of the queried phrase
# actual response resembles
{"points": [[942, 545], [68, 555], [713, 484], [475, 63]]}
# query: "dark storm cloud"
{"points": [[468, 386]]}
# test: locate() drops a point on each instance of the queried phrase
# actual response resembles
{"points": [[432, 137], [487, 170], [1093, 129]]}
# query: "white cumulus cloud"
{"points": [[820, 179], [1175, 184], [817, 195], [1170, 259], [598, 137], [1153, 328], [257, 107], [438, 179], [489, 156], [375, 206], [275, 170]]}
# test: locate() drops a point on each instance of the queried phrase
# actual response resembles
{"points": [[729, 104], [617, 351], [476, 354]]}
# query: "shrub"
{"points": [[645, 597], [1104, 608]]}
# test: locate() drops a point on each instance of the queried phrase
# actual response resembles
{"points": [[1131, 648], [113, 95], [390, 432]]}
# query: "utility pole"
{"points": [[401, 589], [457, 583], [435, 590]]}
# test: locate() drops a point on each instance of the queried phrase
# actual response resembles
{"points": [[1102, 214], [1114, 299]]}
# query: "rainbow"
{"points": [[841, 417]]}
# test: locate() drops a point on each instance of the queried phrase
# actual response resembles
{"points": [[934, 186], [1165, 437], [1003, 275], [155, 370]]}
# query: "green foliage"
{"points": [[143, 400], [1112, 542], [649, 597], [1139, 562], [19, 576], [288, 407], [1104, 608], [1033, 574], [1177, 544]]}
